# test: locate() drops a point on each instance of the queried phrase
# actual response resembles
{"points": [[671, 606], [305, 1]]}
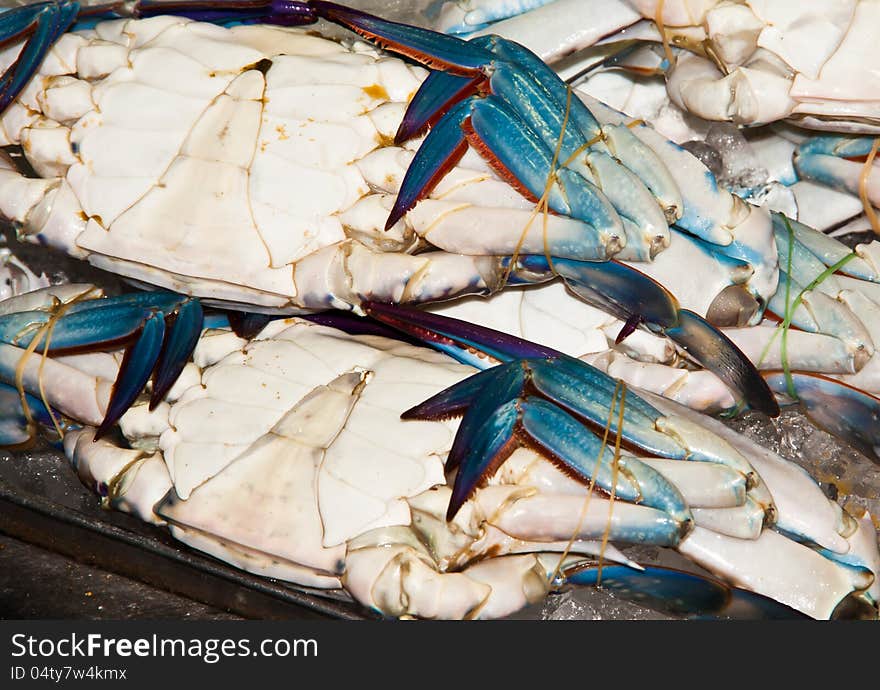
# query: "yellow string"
{"points": [[615, 469], [44, 331], [595, 140], [51, 327], [552, 175], [661, 27], [19, 374], [863, 188], [592, 485], [542, 205], [581, 149]]}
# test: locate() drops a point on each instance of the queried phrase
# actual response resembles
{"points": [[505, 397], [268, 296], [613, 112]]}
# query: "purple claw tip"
{"points": [[396, 214], [406, 131], [628, 328]]}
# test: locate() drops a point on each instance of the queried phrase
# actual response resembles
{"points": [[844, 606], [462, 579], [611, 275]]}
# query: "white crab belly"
{"points": [[178, 141], [304, 422]]}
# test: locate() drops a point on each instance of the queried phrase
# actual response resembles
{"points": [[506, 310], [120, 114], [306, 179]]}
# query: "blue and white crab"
{"points": [[287, 455], [329, 124], [287, 210], [750, 63]]}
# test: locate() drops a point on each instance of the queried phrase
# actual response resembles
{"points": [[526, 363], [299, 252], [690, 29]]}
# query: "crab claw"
{"points": [[185, 327], [437, 94], [510, 410], [40, 24], [159, 331], [638, 300], [841, 410], [572, 118], [431, 48], [681, 593], [522, 158], [505, 102], [520, 125], [586, 391], [551, 402]]}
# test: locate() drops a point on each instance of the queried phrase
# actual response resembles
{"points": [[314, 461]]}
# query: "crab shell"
{"points": [[162, 142], [286, 456], [260, 176]]}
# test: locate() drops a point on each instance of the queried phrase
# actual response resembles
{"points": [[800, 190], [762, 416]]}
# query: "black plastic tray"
{"points": [[42, 502]]}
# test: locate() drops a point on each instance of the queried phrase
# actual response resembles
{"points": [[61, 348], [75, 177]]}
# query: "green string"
{"points": [[787, 291], [791, 307]]}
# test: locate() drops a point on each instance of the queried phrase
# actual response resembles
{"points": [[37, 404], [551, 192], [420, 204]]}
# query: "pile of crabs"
{"points": [[441, 321]]}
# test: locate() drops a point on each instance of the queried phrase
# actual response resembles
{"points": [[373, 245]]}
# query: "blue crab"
{"points": [[325, 247], [308, 415], [324, 244], [743, 62], [742, 242]]}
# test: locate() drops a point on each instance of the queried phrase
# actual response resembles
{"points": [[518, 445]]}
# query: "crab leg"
{"points": [[821, 310], [466, 16], [680, 592], [703, 484], [43, 23], [522, 111], [552, 30], [840, 409], [70, 391], [158, 329], [281, 12], [828, 250], [14, 426], [839, 162], [393, 577], [552, 518], [489, 434], [581, 391], [801, 509], [483, 347], [436, 95], [777, 567], [564, 382], [497, 61], [513, 518], [537, 118], [710, 212], [537, 112], [636, 299], [614, 139], [804, 352], [493, 127]]}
